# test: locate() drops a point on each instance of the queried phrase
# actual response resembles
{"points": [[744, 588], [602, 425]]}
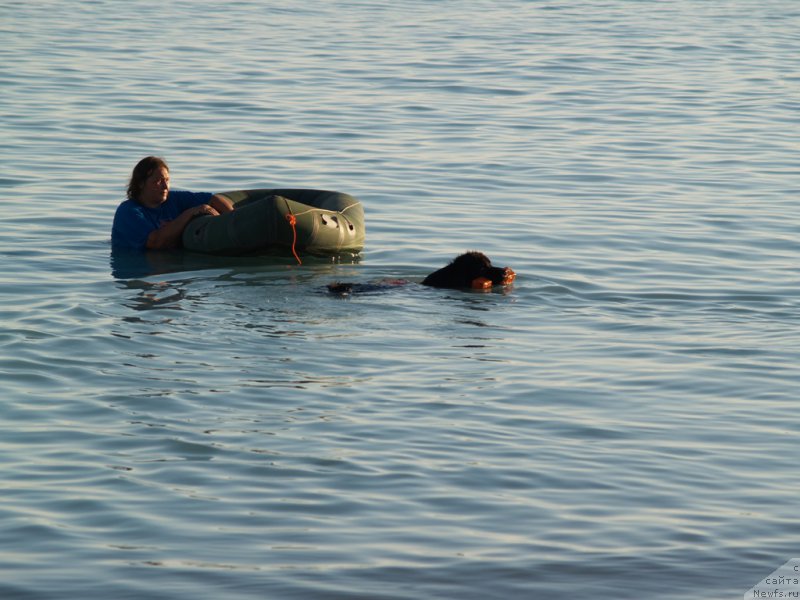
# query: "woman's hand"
{"points": [[203, 209]]}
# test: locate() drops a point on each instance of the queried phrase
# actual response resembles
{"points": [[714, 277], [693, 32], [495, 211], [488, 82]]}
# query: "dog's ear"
{"points": [[434, 279], [449, 276]]}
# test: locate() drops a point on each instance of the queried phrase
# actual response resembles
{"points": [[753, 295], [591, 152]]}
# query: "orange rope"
{"points": [[293, 221]]}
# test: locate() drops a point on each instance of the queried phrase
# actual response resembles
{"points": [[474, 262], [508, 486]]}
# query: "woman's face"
{"points": [[155, 189]]}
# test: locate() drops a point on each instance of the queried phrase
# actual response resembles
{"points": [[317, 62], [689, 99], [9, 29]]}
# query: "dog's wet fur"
{"points": [[471, 270]]}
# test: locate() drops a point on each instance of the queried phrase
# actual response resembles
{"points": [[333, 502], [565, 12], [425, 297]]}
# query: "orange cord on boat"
{"points": [[293, 221]]}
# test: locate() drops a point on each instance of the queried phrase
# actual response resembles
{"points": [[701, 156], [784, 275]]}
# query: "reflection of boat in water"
{"points": [[314, 221], [133, 264]]}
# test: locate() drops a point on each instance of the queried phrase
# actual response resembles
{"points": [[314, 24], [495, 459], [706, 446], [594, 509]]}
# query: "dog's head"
{"points": [[470, 270]]}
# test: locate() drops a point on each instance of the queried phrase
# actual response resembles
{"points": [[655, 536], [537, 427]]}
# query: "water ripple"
{"points": [[619, 424]]}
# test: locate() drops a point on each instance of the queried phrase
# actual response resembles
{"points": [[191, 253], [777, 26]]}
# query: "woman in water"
{"points": [[153, 217]]}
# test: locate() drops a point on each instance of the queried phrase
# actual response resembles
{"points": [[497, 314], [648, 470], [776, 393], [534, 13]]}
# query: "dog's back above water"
{"points": [[471, 270]]}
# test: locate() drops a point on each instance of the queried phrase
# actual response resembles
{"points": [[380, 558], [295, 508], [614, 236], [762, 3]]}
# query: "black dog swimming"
{"points": [[471, 270]]}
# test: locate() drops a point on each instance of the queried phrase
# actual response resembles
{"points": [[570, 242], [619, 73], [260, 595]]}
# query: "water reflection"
{"points": [[155, 295], [129, 264]]}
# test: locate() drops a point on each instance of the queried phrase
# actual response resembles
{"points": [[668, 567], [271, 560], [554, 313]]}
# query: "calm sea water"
{"points": [[622, 424]]}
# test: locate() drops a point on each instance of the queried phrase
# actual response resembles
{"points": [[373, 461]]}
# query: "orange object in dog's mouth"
{"points": [[481, 283], [498, 277]]}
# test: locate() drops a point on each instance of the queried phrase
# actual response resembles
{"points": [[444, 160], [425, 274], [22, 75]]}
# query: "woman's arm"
{"points": [[221, 203], [169, 234]]}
